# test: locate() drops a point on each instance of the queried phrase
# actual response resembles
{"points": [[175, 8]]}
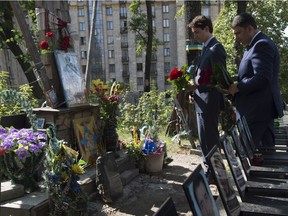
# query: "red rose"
{"points": [[175, 73], [49, 34], [205, 77], [44, 45], [2, 151]]}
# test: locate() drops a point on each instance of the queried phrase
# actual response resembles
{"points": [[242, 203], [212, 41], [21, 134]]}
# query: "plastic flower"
{"points": [[77, 169], [44, 45], [65, 42], [175, 73]]}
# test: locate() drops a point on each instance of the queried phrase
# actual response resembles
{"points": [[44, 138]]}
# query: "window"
{"points": [[153, 69], [83, 68], [166, 52], [166, 23], [111, 68], [125, 54], [123, 11], [166, 37], [82, 40], [125, 69], [153, 24], [167, 67], [123, 24], [83, 55], [153, 10], [109, 25], [81, 12], [165, 8], [109, 11], [82, 26], [139, 67], [139, 80], [110, 39], [110, 53]]}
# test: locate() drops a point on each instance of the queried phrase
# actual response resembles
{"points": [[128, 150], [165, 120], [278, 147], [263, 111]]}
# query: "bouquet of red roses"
{"points": [[217, 78], [179, 78]]}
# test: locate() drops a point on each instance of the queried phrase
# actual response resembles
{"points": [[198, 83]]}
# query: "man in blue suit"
{"points": [[257, 92], [208, 101]]}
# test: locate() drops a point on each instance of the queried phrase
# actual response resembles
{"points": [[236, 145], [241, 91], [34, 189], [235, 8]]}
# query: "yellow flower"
{"points": [[77, 169], [64, 177]]}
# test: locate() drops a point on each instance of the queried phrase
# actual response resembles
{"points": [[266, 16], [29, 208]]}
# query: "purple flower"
{"points": [[22, 153], [42, 136], [13, 130], [8, 143], [3, 131], [23, 142], [41, 144], [34, 148]]}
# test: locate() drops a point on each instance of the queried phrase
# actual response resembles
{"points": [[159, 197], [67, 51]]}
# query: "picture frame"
{"points": [[235, 166], [223, 182], [86, 134], [167, 208], [71, 77], [199, 195], [40, 122]]}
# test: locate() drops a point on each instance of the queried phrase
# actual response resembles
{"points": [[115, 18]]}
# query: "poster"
{"points": [[71, 77]]}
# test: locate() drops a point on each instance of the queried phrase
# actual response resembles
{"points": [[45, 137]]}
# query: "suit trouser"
{"points": [[208, 131], [263, 133]]}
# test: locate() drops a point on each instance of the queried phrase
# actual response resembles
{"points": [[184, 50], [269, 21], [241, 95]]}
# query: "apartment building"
{"points": [[114, 55]]}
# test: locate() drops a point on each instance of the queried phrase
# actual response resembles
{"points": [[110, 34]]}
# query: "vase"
{"points": [[110, 137], [154, 162]]}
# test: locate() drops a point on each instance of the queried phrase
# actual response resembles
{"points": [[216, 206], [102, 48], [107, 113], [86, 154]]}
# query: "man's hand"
{"points": [[192, 85], [233, 89]]}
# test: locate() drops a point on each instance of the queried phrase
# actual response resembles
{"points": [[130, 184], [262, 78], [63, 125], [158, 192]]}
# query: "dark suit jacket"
{"points": [[209, 100], [259, 98]]}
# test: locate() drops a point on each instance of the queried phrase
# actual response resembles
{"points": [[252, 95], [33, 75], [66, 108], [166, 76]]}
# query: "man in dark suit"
{"points": [[257, 92], [208, 101]]}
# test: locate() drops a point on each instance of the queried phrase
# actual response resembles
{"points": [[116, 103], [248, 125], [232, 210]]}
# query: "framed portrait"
{"points": [[199, 195], [40, 122], [244, 140], [86, 134], [235, 165], [223, 182], [71, 78]]}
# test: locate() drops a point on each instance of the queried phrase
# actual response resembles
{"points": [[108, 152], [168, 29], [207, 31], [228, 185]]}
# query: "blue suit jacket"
{"points": [[259, 98], [209, 100]]}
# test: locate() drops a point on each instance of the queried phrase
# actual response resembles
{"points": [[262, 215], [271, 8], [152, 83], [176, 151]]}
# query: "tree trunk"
{"points": [[149, 47]]}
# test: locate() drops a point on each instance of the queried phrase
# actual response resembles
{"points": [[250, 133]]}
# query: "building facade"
{"points": [[113, 52]]}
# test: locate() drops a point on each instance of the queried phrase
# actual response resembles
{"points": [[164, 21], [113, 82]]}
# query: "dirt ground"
{"points": [[145, 193]]}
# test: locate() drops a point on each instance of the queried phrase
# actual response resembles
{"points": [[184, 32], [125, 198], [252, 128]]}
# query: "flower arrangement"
{"points": [[23, 151], [179, 78], [63, 170], [108, 100], [47, 45], [217, 78]]}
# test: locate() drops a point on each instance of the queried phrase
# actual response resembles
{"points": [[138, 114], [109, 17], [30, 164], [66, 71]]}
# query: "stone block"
{"points": [[11, 191], [33, 204], [128, 175]]}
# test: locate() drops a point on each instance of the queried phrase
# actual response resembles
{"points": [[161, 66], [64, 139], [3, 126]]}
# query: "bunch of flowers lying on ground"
{"points": [[179, 78], [108, 99], [217, 78], [63, 170]]}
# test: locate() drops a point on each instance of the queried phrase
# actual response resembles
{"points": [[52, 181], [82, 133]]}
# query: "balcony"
{"points": [[122, 2], [123, 30], [125, 58], [123, 15], [125, 73], [124, 44]]}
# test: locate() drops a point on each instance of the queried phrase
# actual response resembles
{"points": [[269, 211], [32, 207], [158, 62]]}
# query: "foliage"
{"points": [[271, 18], [63, 170], [12, 96], [152, 106], [180, 79], [138, 24]]}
